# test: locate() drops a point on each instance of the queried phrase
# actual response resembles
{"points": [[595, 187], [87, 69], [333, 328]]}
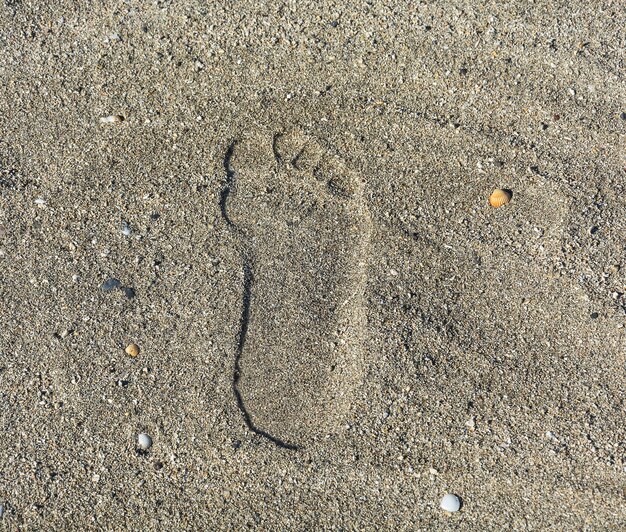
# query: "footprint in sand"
{"points": [[302, 227]]}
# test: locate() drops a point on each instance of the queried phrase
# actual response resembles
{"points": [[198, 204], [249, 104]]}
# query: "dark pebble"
{"points": [[463, 71], [594, 230], [110, 284], [623, 116], [155, 216], [334, 23], [129, 292], [594, 315]]}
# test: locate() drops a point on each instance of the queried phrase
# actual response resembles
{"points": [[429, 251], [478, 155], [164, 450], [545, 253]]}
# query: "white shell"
{"points": [[144, 441], [450, 503], [112, 119]]}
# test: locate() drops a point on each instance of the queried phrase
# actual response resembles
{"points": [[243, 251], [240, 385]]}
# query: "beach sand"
{"points": [[335, 328]]}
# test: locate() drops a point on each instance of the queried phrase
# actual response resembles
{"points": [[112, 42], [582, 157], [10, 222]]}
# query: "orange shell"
{"points": [[132, 350], [499, 197]]}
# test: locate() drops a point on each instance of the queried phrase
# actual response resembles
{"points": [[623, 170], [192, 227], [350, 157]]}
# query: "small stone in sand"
{"points": [[144, 441], [132, 350], [1, 510], [126, 231], [129, 292], [450, 503], [110, 284]]}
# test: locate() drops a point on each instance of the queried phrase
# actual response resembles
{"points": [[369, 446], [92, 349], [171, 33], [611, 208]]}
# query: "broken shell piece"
{"points": [[112, 119], [499, 197]]}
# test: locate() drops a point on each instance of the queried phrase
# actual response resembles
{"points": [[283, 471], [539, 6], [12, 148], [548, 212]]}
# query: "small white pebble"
{"points": [[126, 229], [551, 435], [40, 201], [450, 503], [144, 441]]}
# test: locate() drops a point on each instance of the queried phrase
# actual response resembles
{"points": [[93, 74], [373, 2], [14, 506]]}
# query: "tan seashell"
{"points": [[499, 197], [132, 350]]}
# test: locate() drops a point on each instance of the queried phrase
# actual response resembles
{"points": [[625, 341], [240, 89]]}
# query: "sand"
{"points": [[335, 328]]}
